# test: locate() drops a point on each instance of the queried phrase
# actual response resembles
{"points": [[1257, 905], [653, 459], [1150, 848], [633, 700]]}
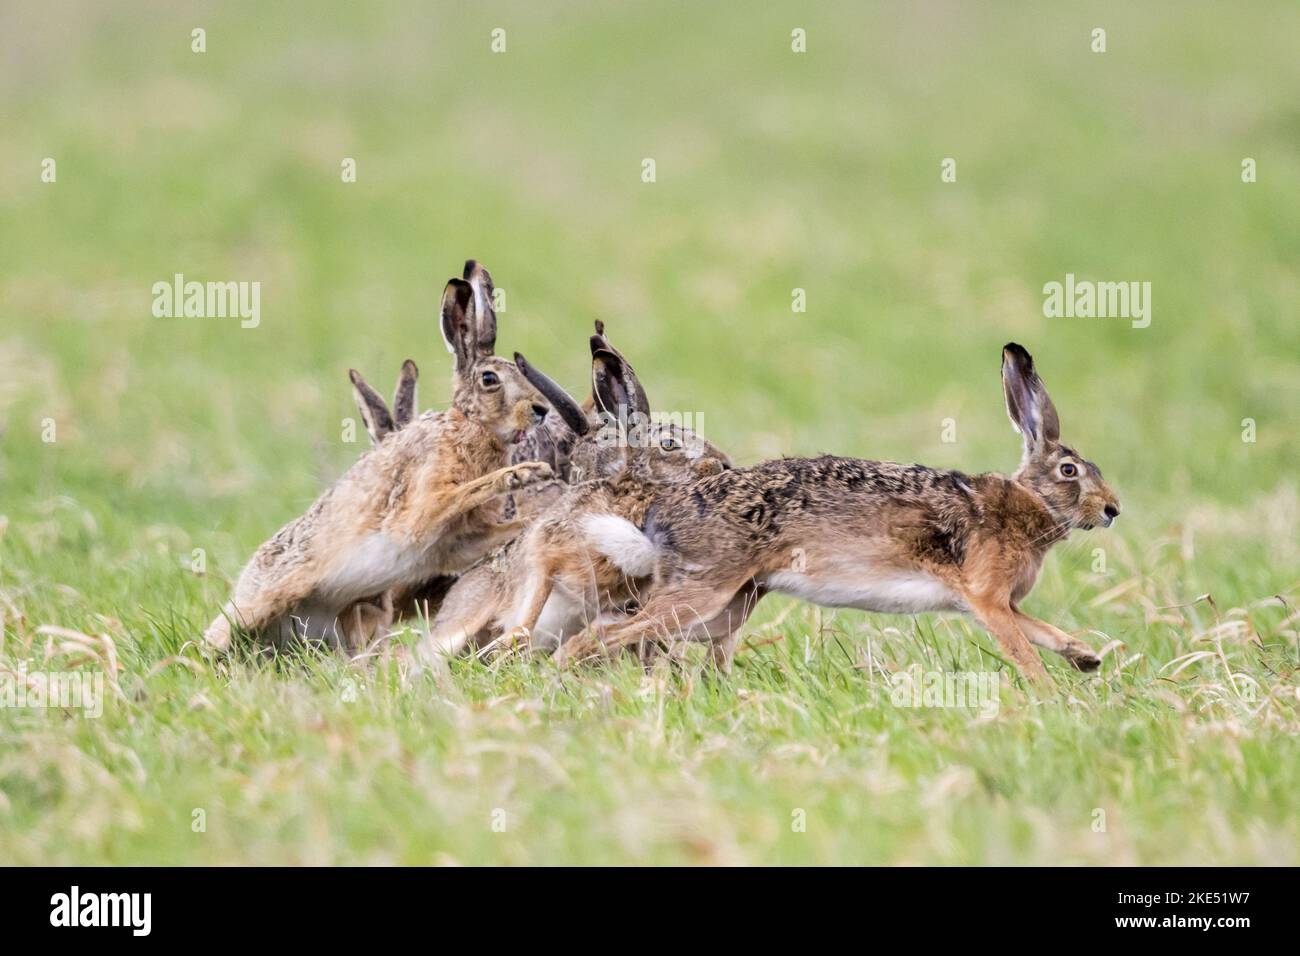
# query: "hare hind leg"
{"points": [[265, 594], [671, 612], [217, 635], [447, 638], [472, 604], [724, 630], [265, 615], [530, 601]]}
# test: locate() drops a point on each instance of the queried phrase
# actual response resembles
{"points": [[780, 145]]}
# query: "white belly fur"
{"points": [[889, 592], [377, 563]]}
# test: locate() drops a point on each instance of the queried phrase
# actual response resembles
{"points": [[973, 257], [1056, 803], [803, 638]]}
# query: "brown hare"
{"points": [[368, 620], [551, 582], [406, 511], [551, 441], [879, 536]]}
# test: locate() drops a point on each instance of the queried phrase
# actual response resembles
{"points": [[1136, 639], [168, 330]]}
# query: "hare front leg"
{"points": [[512, 509], [480, 491], [505, 515], [999, 620], [1081, 655]]}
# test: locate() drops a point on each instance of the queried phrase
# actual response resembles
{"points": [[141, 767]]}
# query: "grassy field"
{"points": [[143, 459]]}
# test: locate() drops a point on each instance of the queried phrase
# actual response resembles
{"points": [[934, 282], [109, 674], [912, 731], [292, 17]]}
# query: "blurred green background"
{"points": [[775, 171]]}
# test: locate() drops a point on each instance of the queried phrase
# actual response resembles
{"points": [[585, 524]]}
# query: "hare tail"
{"points": [[622, 543]]}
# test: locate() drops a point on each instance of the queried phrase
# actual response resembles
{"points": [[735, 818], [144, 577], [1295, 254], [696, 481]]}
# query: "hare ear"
{"points": [[404, 396], [481, 281], [612, 375], [1029, 406], [613, 383], [374, 411], [458, 324], [560, 400], [598, 344]]}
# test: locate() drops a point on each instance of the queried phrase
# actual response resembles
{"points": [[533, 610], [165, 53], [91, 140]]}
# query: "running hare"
{"points": [[551, 581], [406, 511], [880, 536]]}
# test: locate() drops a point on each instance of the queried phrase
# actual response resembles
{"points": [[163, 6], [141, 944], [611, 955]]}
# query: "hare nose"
{"points": [[539, 412], [1112, 512]]}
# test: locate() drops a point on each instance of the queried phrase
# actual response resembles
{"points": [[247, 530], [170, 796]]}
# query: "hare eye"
{"points": [[1068, 469], [490, 379], [669, 443]]}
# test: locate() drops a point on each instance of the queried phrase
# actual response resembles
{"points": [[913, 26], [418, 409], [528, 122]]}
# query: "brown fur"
{"points": [[877, 535], [406, 511], [508, 593]]}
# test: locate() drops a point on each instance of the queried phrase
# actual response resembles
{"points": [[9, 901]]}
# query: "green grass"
{"points": [[775, 171]]}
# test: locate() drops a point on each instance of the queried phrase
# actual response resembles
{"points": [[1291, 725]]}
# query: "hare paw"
{"points": [[529, 473], [1084, 659]]}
